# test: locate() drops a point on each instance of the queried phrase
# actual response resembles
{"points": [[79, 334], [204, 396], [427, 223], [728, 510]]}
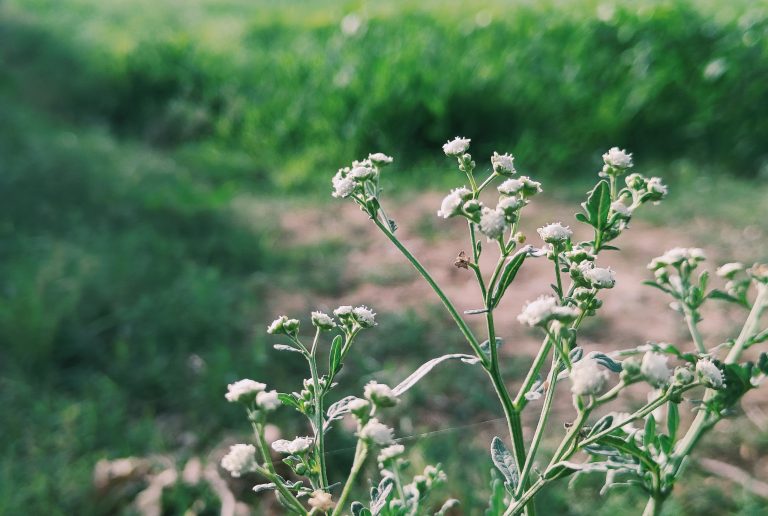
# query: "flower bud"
{"points": [[323, 321], [456, 147], [503, 164], [380, 394], [710, 374]]}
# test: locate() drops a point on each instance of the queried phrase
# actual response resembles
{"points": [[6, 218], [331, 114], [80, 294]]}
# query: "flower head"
{"points": [[379, 159], [544, 309], [600, 277], [654, 368], [267, 400], [244, 390], [323, 321], [453, 202], [298, 445], [376, 432], [456, 147], [364, 316], [587, 377], [493, 223], [554, 233], [391, 452], [677, 256], [618, 159], [321, 501], [710, 374], [729, 270], [283, 325], [380, 394], [240, 459], [503, 164], [343, 185], [510, 187]]}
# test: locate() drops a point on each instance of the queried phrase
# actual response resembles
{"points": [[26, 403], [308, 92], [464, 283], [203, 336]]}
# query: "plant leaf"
{"points": [[509, 272], [607, 362], [286, 347], [427, 367], [334, 358], [598, 205], [337, 410], [673, 419], [505, 463]]}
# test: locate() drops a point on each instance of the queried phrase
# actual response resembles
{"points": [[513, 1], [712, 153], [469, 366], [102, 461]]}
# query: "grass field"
{"points": [[151, 152]]}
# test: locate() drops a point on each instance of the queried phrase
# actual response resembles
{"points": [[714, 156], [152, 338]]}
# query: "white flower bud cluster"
{"points": [[350, 180], [524, 186], [357, 317], [643, 189], [456, 147], [503, 164], [321, 501], [376, 433], [323, 321], [392, 451], [598, 277], [710, 374], [617, 161], [453, 203], [380, 394], [654, 368], [240, 459], [729, 270], [283, 325], [493, 223], [588, 377], [297, 446], [545, 309], [244, 390], [678, 256], [555, 233]]}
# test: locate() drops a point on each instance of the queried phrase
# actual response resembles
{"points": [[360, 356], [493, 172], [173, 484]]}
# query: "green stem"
{"points": [[570, 436], [463, 327], [486, 182], [690, 320], [557, 275], [533, 373], [539, 432], [361, 452], [318, 420], [288, 497], [654, 505]]}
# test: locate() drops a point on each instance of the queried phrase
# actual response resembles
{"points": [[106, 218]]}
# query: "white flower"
{"points": [[358, 405], [600, 277], [364, 316], [298, 445], [508, 205], [380, 394], [343, 311], [503, 164], [728, 270], [588, 377], [676, 256], [343, 185], [545, 309], [656, 187], [621, 209], [618, 158], [277, 325], [554, 233], [323, 321], [376, 432], [510, 186], [240, 459], [321, 501], [451, 205], [390, 452], [456, 147], [361, 173], [379, 159], [243, 389], [267, 400], [654, 368], [493, 223], [710, 374]]}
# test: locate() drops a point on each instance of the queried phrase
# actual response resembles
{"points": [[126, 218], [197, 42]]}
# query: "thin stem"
{"points": [[539, 432], [653, 507], [318, 421], [520, 504], [533, 372], [572, 433], [557, 275], [288, 497], [361, 452], [463, 327], [690, 320], [398, 481], [486, 182]]}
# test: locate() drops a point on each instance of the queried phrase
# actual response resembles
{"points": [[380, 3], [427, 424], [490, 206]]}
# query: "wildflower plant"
{"points": [[647, 448]]}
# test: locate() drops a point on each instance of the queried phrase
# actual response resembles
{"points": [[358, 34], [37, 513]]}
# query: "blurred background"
{"points": [[165, 192]]}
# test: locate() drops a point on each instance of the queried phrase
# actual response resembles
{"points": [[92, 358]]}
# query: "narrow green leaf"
{"points": [[334, 358], [650, 431], [508, 275], [505, 463], [673, 419], [598, 205]]}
